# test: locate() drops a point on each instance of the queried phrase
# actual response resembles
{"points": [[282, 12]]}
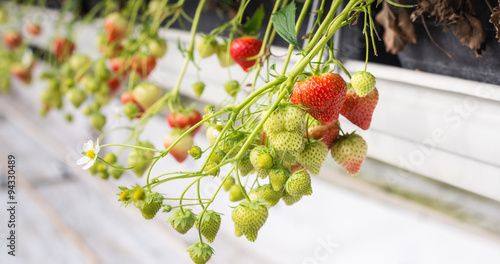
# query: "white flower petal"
{"points": [[97, 148], [83, 160], [86, 167], [88, 146]]}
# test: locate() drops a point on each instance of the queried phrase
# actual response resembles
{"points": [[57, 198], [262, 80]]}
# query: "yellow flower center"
{"points": [[91, 154]]}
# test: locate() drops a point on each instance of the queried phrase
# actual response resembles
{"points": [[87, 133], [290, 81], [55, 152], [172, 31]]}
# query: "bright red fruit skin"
{"points": [[143, 66], [116, 27], [120, 66], [323, 95], [245, 47], [359, 110], [12, 39], [63, 48], [194, 118], [34, 29], [114, 85], [178, 120], [23, 73], [182, 120]]}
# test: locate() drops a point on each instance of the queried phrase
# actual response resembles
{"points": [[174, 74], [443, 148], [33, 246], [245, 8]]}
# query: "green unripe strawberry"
{"points": [[69, 118], [212, 134], [228, 183], [237, 231], [224, 57], [198, 88], [245, 166], [265, 194], [97, 120], [102, 167], [131, 110], [200, 252], [313, 156], [278, 176], [114, 172], [125, 196], [94, 106], [91, 84], [110, 158], [262, 173], [210, 223], [211, 167], [77, 62], [206, 46], [249, 217], [157, 47], [101, 70], [149, 210], [195, 152], [255, 155], [139, 156], [363, 83], [235, 193], [285, 128], [290, 199], [76, 96], [103, 175], [182, 220], [146, 94], [217, 156], [265, 161], [299, 184], [232, 87], [292, 143], [139, 194]]}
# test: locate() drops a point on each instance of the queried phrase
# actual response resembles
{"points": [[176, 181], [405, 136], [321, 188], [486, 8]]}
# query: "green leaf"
{"points": [[284, 23], [253, 25]]}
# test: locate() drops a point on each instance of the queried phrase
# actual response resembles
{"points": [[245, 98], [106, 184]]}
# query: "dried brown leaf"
{"points": [[398, 28], [495, 19], [457, 14]]}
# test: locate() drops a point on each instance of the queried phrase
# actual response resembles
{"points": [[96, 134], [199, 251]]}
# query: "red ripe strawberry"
{"points": [[178, 120], [194, 118], [112, 49], [184, 120], [63, 48], [359, 110], [243, 48], [126, 98], [327, 134], [143, 65], [34, 29], [116, 27], [120, 66], [180, 150], [349, 151], [12, 39], [323, 96], [113, 84], [22, 72]]}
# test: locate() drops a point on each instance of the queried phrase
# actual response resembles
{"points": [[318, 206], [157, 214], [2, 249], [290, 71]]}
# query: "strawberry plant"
{"points": [[275, 127]]}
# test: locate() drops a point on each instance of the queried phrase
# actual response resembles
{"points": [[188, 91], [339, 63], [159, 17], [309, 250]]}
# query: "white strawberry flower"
{"points": [[91, 153]]}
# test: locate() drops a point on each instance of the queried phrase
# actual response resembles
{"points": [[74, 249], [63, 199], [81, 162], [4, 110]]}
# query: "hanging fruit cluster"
{"points": [[275, 138]]}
